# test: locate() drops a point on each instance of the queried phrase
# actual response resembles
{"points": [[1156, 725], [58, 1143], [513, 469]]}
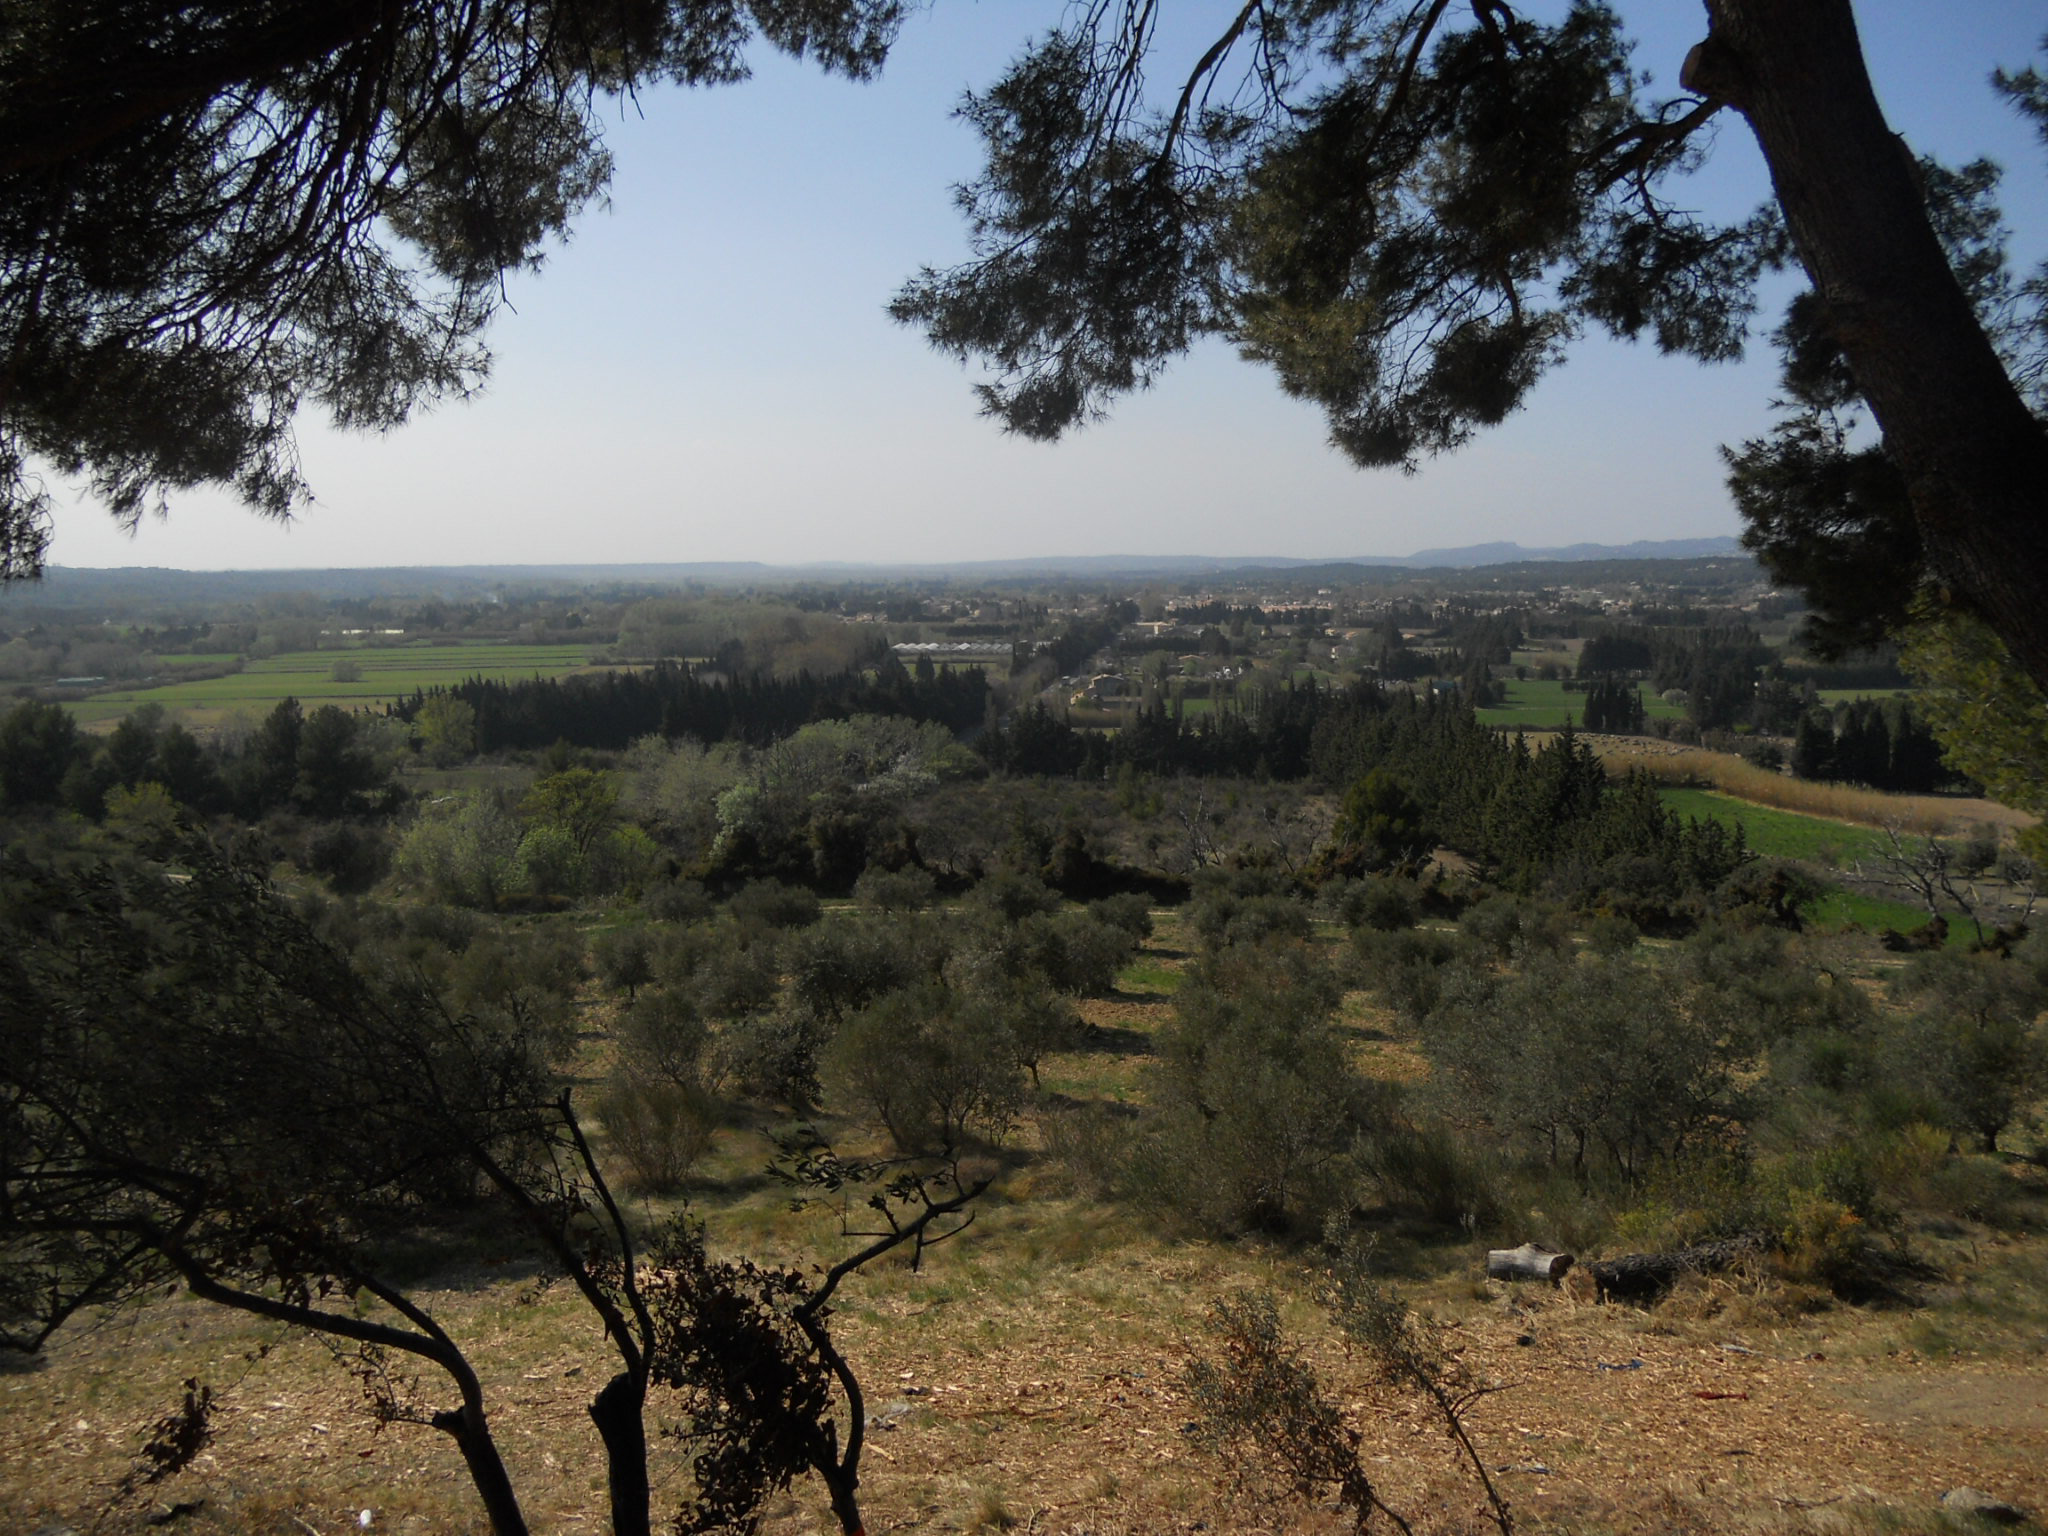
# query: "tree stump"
{"points": [[1528, 1262]]}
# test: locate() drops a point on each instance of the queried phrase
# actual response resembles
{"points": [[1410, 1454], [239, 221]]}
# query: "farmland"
{"points": [[385, 673], [1544, 704], [1780, 834]]}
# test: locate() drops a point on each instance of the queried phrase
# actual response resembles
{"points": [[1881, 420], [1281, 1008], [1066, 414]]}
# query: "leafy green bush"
{"points": [[840, 967], [1974, 1040], [1224, 917], [895, 890], [661, 1034], [726, 972], [1586, 1059], [1258, 1108], [676, 901], [624, 958], [773, 1056], [1428, 1166], [1405, 969], [660, 1128], [771, 904], [1508, 926], [1075, 952], [931, 1072], [1127, 911], [1383, 903], [1012, 897]]}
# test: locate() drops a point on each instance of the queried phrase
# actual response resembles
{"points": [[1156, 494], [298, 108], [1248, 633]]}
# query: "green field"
{"points": [[1848, 695], [1780, 834], [1815, 840], [1843, 909], [1539, 704], [387, 673]]}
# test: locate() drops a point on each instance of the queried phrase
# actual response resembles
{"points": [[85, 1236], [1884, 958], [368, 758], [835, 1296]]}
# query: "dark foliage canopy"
{"points": [[1408, 207], [213, 215]]}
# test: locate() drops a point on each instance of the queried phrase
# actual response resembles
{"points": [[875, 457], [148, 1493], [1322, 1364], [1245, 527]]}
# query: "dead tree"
{"points": [[1644, 1277], [1528, 1262]]}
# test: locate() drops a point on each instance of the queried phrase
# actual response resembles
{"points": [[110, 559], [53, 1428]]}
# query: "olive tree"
{"points": [[196, 1088]]}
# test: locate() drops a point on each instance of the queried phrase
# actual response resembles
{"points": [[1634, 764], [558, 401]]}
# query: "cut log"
{"points": [[1528, 1262], [1647, 1276]]}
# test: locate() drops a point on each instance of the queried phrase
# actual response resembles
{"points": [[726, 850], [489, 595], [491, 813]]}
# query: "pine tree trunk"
{"points": [[1974, 458]]}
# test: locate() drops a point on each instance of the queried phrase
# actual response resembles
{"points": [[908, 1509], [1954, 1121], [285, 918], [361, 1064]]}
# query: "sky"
{"points": [[706, 370]]}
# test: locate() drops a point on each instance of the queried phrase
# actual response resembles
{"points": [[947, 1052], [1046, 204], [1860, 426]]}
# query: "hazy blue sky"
{"points": [[706, 371]]}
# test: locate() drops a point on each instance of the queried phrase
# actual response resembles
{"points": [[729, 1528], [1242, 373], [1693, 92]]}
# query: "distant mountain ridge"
{"points": [[71, 584], [1515, 554]]}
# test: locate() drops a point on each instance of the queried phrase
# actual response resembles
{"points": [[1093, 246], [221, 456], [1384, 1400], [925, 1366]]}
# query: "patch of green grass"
{"points": [[1847, 695], [1844, 909], [1544, 703], [387, 673], [1146, 975], [196, 658], [1780, 834]]}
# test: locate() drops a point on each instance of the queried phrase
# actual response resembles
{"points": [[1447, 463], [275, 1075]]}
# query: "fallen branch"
{"points": [[1647, 1276], [1528, 1262]]}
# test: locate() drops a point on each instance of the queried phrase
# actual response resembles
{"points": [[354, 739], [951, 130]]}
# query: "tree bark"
{"points": [[472, 1433], [1527, 1262], [619, 1411], [1974, 458]]}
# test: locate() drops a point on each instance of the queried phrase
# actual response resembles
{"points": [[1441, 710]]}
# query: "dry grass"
{"points": [[1920, 815], [1016, 1389]]}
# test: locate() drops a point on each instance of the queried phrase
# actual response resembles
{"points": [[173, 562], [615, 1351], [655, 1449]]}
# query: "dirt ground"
{"points": [[1059, 1406]]}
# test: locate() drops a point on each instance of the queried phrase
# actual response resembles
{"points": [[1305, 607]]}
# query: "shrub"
{"points": [[524, 981], [662, 1035], [1128, 912], [1978, 852], [840, 967], [1075, 952], [1258, 1105], [771, 904], [1405, 969], [1383, 903], [351, 857], [900, 890], [1036, 1023], [1609, 933], [1974, 1041], [930, 1072], [676, 901], [773, 1056], [464, 855], [549, 865], [1593, 1057], [1093, 1142], [1507, 927], [1428, 1166], [659, 1127], [624, 958], [1227, 918], [1013, 897], [731, 982], [621, 859]]}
